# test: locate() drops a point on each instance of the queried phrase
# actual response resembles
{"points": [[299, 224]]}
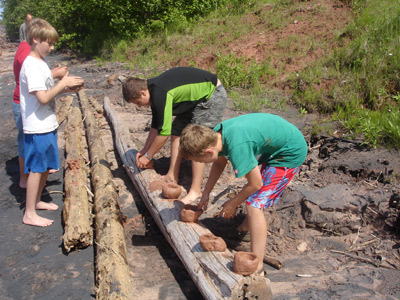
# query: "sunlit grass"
{"points": [[356, 84]]}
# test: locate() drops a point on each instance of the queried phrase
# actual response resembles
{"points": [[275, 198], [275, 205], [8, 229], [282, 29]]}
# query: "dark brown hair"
{"points": [[132, 87]]}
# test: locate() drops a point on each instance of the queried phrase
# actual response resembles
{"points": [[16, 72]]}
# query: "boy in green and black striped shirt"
{"points": [[191, 95]]}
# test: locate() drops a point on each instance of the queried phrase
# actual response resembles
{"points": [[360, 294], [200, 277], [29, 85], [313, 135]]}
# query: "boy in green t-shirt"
{"points": [[248, 141]]}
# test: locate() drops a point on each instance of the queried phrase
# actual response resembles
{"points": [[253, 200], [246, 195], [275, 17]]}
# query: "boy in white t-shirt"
{"points": [[37, 93]]}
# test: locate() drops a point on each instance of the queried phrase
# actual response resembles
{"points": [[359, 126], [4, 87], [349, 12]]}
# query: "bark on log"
{"points": [[63, 106], [212, 272], [77, 215], [97, 107], [112, 270]]}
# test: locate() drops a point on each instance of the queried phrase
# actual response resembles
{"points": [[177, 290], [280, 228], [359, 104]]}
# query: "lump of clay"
{"points": [[171, 190], [150, 165], [210, 242], [245, 263], [189, 213], [75, 87]]}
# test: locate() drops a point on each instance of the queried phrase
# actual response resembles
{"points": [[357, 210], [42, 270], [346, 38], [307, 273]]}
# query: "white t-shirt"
{"points": [[36, 76]]}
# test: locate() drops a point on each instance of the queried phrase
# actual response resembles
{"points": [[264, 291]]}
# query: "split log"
{"points": [[77, 215], [212, 272], [112, 270], [97, 107], [63, 106]]}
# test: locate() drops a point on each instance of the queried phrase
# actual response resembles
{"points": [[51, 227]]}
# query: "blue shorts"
{"points": [[18, 121], [275, 179], [41, 152]]}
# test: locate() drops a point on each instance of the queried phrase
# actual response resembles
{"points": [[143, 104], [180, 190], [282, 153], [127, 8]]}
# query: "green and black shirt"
{"points": [[178, 91]]}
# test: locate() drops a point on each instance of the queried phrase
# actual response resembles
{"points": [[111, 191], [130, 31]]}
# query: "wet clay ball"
{"points": [[189, 213], [150, 165], [245, 263], [210, 242], [75, 87], [171, 190]]}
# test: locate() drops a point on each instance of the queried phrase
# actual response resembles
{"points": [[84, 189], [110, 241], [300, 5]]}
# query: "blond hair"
{"points": [[41, 30], [195, 139], [132, 87]]}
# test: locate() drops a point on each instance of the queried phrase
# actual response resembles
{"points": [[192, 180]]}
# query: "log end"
{"points": [[252, 288]]}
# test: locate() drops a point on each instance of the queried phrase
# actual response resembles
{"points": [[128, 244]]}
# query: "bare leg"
{"points": [[175, 160], [23, 178], [258, 233], [32, 193], [197, 178], [245, 225], [40, 204]]}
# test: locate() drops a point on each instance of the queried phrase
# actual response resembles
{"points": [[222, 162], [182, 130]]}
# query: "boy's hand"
{"points": [[142, 161], [73, 83], [203, 203], [228, 210], [59, 72]]}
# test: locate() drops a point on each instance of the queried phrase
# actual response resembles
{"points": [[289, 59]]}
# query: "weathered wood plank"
{"points": [[63, 106], [77, 215], [112, 270], [212, 272]]}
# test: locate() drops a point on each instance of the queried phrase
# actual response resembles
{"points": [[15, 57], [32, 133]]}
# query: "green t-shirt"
{"points": [[253, 139], [177, 92]]}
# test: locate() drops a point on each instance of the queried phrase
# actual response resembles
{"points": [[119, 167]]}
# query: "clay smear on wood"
{"points": [[112, 270], [77, 216], [212, 272]]}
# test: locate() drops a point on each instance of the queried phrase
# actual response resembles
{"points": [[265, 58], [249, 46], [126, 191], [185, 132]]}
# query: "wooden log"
{"points": [[212, 272], [97, 107], [112, 270], [63, 106], [77, 211]]}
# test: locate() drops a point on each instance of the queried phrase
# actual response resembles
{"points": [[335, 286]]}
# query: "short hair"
{"points": [[195, 139], [132, 87], [42, 30]]}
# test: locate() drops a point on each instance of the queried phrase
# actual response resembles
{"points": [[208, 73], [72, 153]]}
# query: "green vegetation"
{"points": [[356, 83], [364, 76], [86, 25]]}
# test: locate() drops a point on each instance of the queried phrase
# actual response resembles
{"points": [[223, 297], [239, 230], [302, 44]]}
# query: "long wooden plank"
{"points": [[212, 272], [77, 211], [112, 270]]}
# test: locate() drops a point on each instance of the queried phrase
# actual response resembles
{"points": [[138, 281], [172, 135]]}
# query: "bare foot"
{"points": [[37, 221], [168, 179], [191, 197], [51, 171], [46, 206]]}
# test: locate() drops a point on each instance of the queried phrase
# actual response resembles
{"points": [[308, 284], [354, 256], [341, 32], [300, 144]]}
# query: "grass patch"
{"points": [[364, 76], [357, 83]]}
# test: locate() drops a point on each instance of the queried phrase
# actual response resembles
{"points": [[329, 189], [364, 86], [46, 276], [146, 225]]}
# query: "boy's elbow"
{"points": [[255, 186], [258, 186]]}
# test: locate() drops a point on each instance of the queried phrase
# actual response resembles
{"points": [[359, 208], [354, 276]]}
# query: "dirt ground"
{"points": [[336, 228]]}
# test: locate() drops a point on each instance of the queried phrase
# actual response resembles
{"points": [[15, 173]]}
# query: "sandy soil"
{"points": [[336, 228]]}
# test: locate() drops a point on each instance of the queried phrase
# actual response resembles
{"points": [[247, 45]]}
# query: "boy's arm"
{"points": [[254, 183], [59, 72], [150, 138], [216, 170], [45, 96], [153, 144]]}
